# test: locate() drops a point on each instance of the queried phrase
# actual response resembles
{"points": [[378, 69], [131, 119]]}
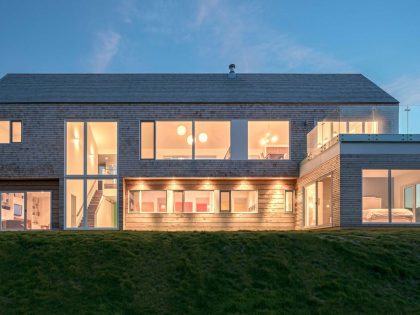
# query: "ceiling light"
{"points": [[190, 140], [263, 141], [181, 130], [203, 137], [274, 138]]}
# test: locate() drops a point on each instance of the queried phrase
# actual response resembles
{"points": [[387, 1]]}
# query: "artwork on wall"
{"points": [[17, 210]]}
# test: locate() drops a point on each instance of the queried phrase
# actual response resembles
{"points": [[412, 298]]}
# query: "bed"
{"points": [[374, 212]]}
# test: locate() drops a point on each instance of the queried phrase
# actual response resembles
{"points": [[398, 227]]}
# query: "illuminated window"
{"points": [[356, 127], [318, 202], [212, 140], [148, 201], [375, 201], [288, 207], [244, 201], [74, 148], [225, 201], [147, 136], [174, 140], [10, 131], [193, 201], [101, 155], [268, 140]]}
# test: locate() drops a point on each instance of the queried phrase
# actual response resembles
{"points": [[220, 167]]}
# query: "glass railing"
{"points": [[366, 119]]}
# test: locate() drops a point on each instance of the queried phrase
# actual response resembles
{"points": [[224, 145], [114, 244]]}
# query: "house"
{"points": [[207, 152]]}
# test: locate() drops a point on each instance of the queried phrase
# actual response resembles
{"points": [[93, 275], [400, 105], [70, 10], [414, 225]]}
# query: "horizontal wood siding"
{"points": [[270, 216], [37, 185]]}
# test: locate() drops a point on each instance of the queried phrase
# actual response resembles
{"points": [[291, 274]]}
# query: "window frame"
{"points": [[10, 123], [316, 202], [85, 177], [289, 121], [193, 133], [230, 201], [25, 204], [293, 201], [140, 197]]}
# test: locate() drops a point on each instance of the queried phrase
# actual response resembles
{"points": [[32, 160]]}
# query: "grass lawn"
{"points": [[324, 272]]}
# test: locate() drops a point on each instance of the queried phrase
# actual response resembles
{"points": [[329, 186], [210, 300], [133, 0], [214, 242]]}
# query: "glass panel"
{"points": [[74, 203], [324, 191], [101, 203], [147, 133], [289, 201], [4, 131], [17, 131], [13, 211], [174, 140], [198, 201], [38, 213], [153, 201], [339, 127], [212, 140], [371, 127], [355, 127], [74, 148], [225, 201], [268, 140], [375, 196], [310, 205], [133, 201], [178, 199], [244, 201], [101, 148], [405, 197]]}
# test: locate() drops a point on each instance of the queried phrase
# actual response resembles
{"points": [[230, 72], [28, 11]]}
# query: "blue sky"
{"points": [[380, 39]]}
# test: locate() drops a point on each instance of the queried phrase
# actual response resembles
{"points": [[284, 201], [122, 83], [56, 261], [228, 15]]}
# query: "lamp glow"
{"points": [[181, 130], [190, 140], [274, 138], [203, 137]]}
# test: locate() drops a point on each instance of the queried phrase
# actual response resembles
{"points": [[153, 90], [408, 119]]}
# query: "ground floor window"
{"points": [[193, 201], [244, 201], [318, 202], [28, 210], [147, 201], [390, 196], [91, 203]]}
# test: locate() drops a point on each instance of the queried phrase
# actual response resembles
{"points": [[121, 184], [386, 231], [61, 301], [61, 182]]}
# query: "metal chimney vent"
{"points": [[232, 74]]}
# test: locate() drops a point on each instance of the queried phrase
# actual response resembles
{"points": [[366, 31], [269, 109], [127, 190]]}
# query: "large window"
{"points": [[268, 140], [91, 150], [178, 140], [25, 210], [147, 201], [391, 196], [10, 131], [193, 201], [244, 201], [318, 202]]}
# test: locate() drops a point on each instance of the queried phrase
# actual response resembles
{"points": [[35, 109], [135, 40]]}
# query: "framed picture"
{"points": [[17, 210]]}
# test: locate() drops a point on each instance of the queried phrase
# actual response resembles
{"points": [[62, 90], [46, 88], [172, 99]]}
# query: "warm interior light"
{"points": [[190, 140], [274, 138], [181, 130], [263, 141], [203, 137]]}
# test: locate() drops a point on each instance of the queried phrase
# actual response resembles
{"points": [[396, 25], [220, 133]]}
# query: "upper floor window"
{"points": [[268, 140], [10, 131], [178, 140]]}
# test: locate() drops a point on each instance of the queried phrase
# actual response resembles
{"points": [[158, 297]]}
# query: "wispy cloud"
{"points": [[406, 89], [106, 47]]}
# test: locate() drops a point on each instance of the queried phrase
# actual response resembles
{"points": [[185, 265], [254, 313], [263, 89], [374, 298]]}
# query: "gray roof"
{"points": [[190, 88]]}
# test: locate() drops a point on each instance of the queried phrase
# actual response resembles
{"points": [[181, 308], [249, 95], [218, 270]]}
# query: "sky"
{"points": [[380, 39]]}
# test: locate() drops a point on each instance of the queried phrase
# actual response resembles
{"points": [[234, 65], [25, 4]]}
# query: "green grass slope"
{"points": [[326, 272]]}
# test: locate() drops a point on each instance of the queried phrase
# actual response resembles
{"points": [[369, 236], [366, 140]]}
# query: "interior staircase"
{"points": [[91, 210]]}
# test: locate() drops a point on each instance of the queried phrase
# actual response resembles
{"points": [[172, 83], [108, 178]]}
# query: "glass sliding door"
{"points": [[318, 202], [310, 205]]}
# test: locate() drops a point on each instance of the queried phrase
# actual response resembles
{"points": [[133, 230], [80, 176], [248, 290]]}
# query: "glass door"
{"points": [[310, 205]]}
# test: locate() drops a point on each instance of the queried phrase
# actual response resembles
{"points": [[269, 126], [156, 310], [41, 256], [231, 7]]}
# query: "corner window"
{"points": [[10, 131], [268, 140]]}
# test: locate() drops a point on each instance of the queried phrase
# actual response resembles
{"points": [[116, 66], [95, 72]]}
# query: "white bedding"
{"points": [[381, 215]]}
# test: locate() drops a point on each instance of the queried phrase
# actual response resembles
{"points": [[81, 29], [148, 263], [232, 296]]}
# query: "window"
{"points": [[375, 201], [288, 208], [10, 131], [91, 150], [147, 201], [193, 201], [174, 140], [318, 202], [356, 127], [327, 130], [268, 140], [178, 140], [244, 201], [225, 201], [25, 210], [212, 140], [405, 193], [147, 136]]}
